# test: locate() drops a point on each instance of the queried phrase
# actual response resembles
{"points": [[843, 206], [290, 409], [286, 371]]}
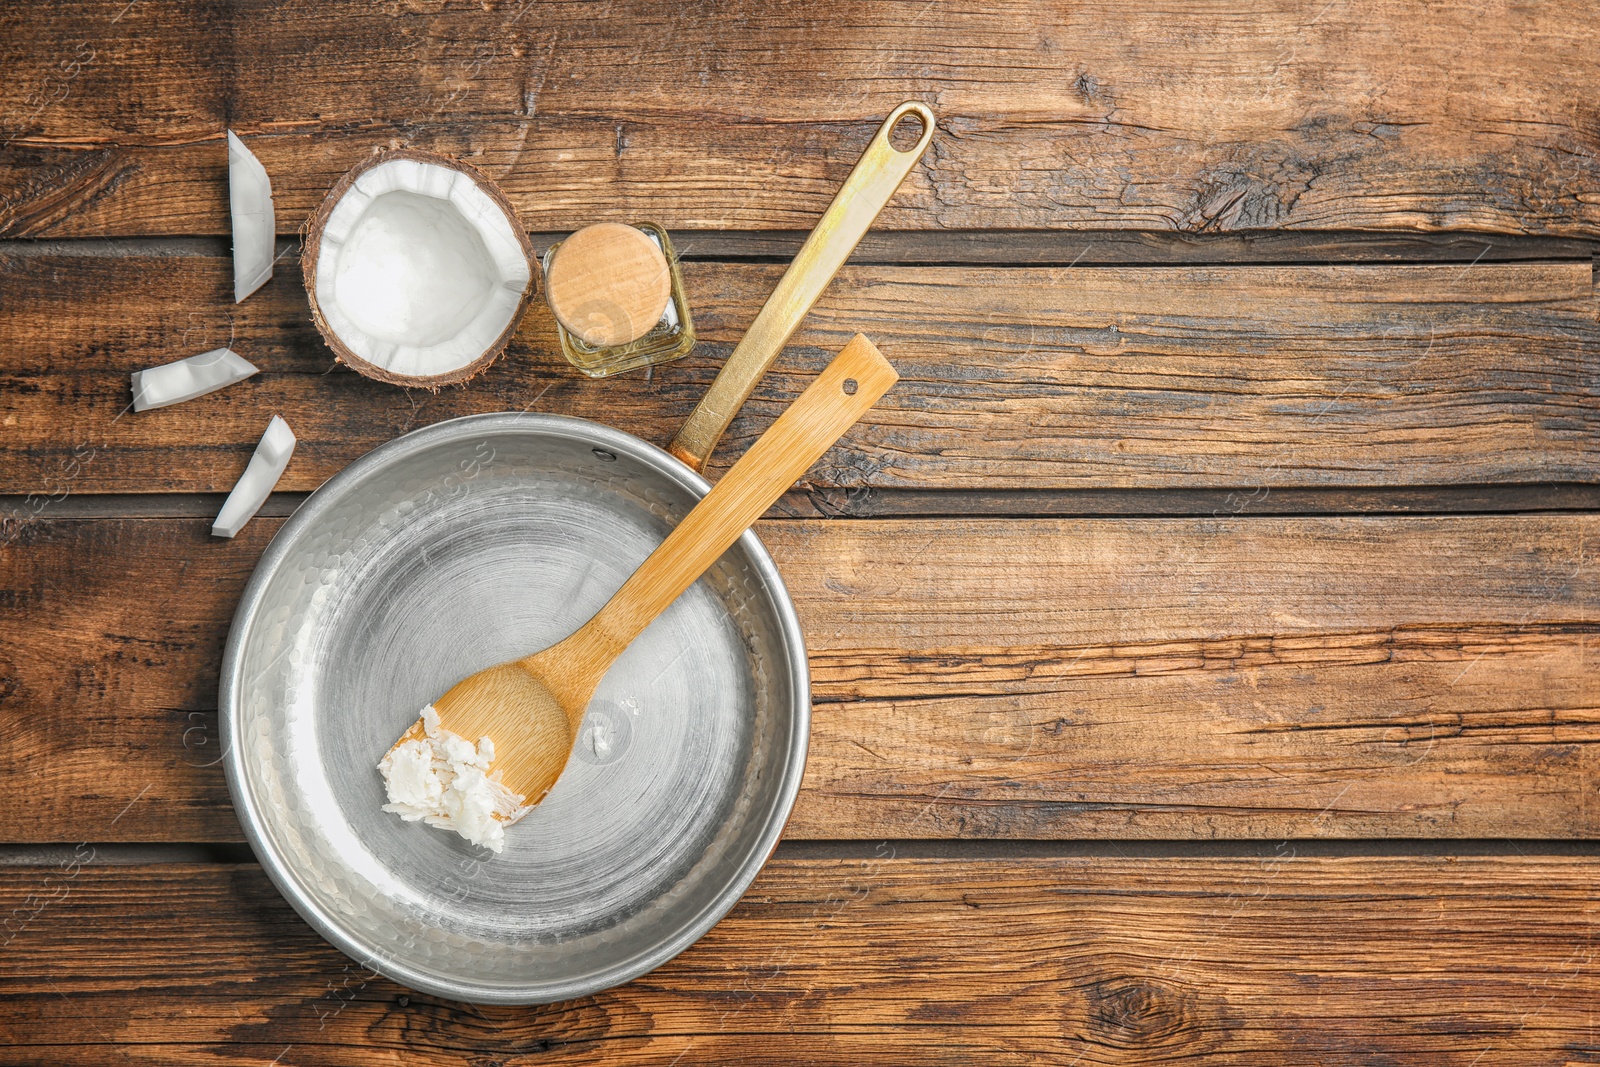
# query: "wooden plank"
{"points": [[1140, 678], [1252, 378], [1196, 117], [1240, 961]]}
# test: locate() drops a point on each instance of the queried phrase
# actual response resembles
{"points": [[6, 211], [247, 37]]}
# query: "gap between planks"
{"points": [[994, 248], [137, 854], [956, 503]]}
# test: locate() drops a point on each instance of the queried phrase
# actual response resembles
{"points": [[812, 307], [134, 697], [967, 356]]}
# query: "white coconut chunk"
{"points": [[255, 484], [173, 383], [417, 269], [254, 224]]}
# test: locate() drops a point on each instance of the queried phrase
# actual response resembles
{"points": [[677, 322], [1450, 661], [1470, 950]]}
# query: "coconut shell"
{"points": [[313, 250]]}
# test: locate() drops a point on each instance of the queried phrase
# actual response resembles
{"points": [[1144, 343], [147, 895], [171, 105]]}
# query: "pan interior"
{"points": [[481, 547]]}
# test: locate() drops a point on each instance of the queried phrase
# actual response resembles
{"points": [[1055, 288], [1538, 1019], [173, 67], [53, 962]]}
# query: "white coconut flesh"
{"points": [[254, 222], [419, 272]]}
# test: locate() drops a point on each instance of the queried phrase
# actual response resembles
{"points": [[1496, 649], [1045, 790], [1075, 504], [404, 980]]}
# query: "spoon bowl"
{"points": [[511, 691]]}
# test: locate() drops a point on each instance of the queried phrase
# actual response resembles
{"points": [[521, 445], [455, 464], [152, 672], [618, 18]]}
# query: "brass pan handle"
{"points": [[876, 176]]}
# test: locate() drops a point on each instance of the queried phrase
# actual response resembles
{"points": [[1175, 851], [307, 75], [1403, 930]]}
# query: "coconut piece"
{"points": [[255, 484], [254, 223], [417, 269], [173, 383]]}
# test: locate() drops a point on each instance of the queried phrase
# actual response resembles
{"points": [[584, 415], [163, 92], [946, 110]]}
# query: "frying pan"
{"points": [[468, 543]]}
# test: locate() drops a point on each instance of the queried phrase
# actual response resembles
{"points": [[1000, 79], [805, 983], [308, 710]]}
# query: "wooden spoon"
{"points": [[532, 707]]}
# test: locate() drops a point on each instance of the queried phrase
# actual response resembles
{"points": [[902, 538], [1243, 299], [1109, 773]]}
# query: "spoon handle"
{"points": [[799, 437], [865, 192]]}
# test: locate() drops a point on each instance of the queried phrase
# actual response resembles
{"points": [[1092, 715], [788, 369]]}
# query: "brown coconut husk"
{"points": [[312, 248]]}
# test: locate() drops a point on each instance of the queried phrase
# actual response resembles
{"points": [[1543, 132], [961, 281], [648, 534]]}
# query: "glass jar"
{"points": [[617, 298]]}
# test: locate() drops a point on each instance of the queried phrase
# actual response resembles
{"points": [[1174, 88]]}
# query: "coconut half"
{"points": [[417, 269]]}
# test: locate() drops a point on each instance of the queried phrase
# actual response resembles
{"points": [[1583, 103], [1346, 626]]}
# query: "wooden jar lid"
{"points": [[608, 284]]}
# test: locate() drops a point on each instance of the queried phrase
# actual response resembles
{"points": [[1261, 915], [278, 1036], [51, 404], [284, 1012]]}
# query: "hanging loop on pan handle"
{"points": [[876, 176]]}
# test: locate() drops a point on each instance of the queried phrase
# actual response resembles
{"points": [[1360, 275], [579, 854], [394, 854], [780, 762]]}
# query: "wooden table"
{"points": [[1203, 632]]}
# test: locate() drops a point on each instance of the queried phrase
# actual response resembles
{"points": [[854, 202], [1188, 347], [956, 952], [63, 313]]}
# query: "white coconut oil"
{"points": [[443, 779]]}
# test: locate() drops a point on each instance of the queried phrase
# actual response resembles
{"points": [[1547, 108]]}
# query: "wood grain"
{"points": [[1283, 957], [1151, 678], [608, 284], [1249, 378], [1137, 195], [1199, 117]]}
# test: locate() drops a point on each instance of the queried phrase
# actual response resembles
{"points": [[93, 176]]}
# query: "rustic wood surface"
{"points": [[1285, 956], [1011, 678], [1195, 116], [1203, 631], [1154, 377]]}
